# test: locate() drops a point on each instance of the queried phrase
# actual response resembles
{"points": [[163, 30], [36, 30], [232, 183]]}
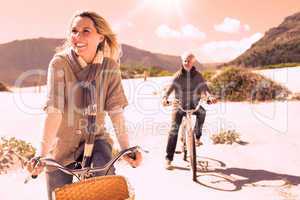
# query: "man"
{"points": [[188, 85]]}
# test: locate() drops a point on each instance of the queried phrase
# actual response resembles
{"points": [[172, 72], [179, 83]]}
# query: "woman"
{"points": [[83, 80]]}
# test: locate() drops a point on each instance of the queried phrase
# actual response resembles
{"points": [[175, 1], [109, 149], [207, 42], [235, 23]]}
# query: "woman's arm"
{"points": [[119, 124], [118, 120], [51, 126], [55, 103]]}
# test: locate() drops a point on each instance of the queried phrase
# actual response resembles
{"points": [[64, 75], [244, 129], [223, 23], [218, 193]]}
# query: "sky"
{"points": [[215, 30]]}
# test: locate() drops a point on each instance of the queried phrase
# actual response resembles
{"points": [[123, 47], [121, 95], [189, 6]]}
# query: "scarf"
{"points": [[86, 76]]}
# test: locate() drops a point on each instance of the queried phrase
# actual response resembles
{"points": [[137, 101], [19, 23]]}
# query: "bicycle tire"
{"points": [[193, 156], [184, 149]]}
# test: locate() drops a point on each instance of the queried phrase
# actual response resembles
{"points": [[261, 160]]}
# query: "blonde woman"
{"points": [[83, 78]]}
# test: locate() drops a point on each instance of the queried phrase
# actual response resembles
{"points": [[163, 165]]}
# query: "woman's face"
{"points": [[85, 38]]}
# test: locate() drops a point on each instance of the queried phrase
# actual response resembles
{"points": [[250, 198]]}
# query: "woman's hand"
{"points": [[134, 159], [35, 167]]}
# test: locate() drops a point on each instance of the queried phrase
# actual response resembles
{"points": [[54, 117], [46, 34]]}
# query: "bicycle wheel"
{"points": [[193, 156], [183, 145], [218, 181]]}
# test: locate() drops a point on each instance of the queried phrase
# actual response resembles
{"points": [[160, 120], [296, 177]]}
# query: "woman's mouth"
{"points": [[80, 46]]}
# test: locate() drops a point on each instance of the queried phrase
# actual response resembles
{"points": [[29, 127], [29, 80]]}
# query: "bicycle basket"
{"points": [[96, 188]]}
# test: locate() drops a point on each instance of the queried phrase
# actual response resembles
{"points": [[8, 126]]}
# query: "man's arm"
{"points": [[206, 90], [167, 93]]}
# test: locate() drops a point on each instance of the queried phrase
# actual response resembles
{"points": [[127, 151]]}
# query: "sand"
{"points": [[266, 168]]}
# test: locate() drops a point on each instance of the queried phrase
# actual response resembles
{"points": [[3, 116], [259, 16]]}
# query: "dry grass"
{"points": [[10, 150], [226, 137]]}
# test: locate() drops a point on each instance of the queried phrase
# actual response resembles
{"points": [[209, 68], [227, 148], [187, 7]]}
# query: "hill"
{"points": [[280, 44], [22, 55]]}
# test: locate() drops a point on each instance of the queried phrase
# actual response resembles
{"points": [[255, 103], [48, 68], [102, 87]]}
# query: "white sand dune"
{"points": [[286, 76], [258, 169]]}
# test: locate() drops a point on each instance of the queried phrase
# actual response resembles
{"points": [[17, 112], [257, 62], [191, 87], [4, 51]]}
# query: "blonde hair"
{"points": [[109, 46]]}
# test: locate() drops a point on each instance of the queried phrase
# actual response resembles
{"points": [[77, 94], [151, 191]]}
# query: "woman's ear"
{"points": [[101, 38]]}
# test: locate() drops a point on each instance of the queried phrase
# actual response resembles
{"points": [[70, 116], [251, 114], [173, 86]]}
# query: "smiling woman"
{"points": [[84, 84]]}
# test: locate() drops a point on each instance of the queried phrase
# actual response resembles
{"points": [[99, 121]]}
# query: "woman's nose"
{"points": [[77, 35]]}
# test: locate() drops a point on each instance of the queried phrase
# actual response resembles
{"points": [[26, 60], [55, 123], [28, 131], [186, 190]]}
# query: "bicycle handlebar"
{"points": [[79, 172], [178, 103]]}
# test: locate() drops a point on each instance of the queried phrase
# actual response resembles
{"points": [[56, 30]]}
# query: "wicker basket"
{"points": [[96, 188]]}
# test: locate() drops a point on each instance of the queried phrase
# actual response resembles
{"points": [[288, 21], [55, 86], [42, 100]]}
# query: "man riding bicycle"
{"points": [[188, 84]]}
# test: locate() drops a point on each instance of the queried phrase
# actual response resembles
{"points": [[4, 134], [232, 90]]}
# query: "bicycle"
{"points": [[187, 136], [112, 187]]}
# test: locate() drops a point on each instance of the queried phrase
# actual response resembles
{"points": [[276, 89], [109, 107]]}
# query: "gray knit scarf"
{"points": [[87, 79]]}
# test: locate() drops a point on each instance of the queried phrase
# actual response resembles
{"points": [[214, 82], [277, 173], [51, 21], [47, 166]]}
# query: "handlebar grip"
{"points": [[132, 155], [36, 162]]}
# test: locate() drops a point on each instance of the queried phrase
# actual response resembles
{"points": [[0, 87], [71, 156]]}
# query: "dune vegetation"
{"points": [[240, 84]]}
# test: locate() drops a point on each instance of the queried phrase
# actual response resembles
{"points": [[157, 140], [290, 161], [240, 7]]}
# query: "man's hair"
{"points": [[185, 55]]}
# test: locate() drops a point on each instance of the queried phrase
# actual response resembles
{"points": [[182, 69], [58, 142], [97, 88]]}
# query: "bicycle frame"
{"points": [[188, 138], [186, 132], [186, 127]]}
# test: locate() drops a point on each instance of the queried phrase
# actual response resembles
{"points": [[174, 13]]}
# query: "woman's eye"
{"points": [[74, 31]]}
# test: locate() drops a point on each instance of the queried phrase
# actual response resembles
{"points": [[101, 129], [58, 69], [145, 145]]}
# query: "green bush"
{"points": [[240, 84], [165, 73], [138, 71], [281, 65], [208, 74]]}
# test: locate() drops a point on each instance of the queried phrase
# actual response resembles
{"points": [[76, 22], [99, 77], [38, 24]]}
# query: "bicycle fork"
{"points": [[185, 135]]}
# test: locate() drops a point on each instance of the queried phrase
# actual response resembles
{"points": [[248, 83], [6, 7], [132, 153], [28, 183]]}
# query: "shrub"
{"points": [[10, 152], [240, 84], [280, 65], [208, 74], [138, 71], [21, 147], [226, 137]]}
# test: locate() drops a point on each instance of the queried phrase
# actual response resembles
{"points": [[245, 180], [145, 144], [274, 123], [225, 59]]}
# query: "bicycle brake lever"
{"points": [[36, 162], [132, 154]]}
